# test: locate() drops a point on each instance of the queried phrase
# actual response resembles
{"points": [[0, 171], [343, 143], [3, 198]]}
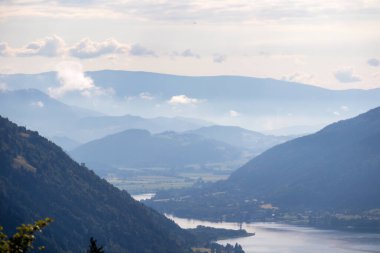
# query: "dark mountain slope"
{"points": [[139, 148], [338, 167], [37, 180], [334, 170]]}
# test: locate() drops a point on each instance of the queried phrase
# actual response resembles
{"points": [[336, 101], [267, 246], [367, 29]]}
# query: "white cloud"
{"points": [[138, 50], [373, 62], [344, 108], [183, 100], [346, 75], [219, 58], [233, 114], [55, 46], [72, 78], [38, 104], [197, 10], [146, 96], [87, 48], [49, 47]]}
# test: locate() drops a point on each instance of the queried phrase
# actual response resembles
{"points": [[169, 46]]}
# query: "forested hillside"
{"points": [[37, 180]]}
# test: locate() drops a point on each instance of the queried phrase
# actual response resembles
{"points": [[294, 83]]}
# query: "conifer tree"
{"points": [[93, 248]]}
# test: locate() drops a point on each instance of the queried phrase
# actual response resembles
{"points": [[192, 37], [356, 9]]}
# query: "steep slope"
{"points": [[139, 148], [254, 141], [338, 167], [38, 111], [334, 170], [37, 180]]}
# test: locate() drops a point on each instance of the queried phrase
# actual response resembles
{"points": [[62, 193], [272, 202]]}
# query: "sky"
{"points": [[333, 44]]}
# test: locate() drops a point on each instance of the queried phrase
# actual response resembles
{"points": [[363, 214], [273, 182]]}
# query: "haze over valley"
{"points": [[192, 126]]}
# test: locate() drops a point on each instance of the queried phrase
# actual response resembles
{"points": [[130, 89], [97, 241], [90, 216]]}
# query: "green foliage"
{"points": [[22, 241], [83, 204], [93, 248], [208, 234], [217, 248]]}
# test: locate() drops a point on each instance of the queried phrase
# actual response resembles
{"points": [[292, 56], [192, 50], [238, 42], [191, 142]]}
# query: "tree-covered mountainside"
{"points": [[139, 148], [336, 170], [38, 180]]}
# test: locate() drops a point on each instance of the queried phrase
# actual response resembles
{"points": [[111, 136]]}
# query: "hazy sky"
{"points": [[334, 44]]}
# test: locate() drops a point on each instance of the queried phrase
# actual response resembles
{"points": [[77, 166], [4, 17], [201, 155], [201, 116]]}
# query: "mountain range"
{"points": [[140, 149], [71, 125], [253, 141], [38, 180], [336, 170], [253, 103]]}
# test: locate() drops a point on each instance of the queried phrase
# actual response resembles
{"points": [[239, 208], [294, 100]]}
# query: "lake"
{"points": [[283, 238], [144, 196]]}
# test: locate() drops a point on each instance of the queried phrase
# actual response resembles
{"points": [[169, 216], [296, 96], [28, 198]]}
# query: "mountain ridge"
{"points": [[39, 180], [140, 148], [320, 176]]}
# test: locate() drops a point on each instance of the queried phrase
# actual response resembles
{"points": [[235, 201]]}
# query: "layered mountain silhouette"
{"points": [[239, 137], [70, 125], [257, 101], [38, 111], [139, 148], [334, 170], [38, 180]]}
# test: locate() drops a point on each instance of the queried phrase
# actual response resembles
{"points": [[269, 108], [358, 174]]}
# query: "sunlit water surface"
{"points": [[143, 196], [283, 238]]}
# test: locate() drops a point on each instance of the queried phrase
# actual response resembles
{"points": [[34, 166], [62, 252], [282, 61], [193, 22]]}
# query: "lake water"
{"points": [[282, 238], [144, 196]]}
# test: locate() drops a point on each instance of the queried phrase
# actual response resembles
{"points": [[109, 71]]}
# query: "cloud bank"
{"points": [[50, 46], [87, 48], [190, 11]]}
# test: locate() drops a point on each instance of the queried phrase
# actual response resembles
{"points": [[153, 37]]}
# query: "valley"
{"points": [[189, 126], [205, 172]]}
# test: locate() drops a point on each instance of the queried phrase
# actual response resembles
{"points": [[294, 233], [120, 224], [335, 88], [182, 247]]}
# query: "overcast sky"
{"points": [[333, 44]]}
